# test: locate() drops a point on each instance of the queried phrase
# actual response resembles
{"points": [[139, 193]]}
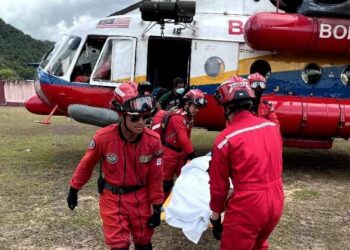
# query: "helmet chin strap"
{"points": [[258, 94], [256, 101], [227, 113], [187, 109]]}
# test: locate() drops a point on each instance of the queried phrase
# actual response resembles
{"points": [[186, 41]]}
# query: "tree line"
{"points": [[17, 50]]}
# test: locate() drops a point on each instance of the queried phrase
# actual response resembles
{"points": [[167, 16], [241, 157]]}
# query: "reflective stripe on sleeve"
{"points": [[262, 125]]}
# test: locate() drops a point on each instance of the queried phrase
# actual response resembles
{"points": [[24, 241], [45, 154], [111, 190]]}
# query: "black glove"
{"points": [[191, 156], [72, 198], [154, 219], [217, 228]]}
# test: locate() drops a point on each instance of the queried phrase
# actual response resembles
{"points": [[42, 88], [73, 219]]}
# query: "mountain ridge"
{"points": [[17, 50]]}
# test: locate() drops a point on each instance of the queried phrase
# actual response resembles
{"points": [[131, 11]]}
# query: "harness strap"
{"points": [[121, 190], [172, 147]]}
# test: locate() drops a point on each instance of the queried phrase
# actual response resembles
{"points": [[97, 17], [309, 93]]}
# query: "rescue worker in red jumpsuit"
{"points": [[261, 107], [131, 191], [249, 153], [176, 140]]}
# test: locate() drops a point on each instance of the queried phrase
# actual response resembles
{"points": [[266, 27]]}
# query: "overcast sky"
{"points": [[48, 19]]}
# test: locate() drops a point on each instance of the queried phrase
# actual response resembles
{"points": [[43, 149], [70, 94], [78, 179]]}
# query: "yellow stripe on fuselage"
{"points": [[279, 63], [206, 80], [286, 62]]}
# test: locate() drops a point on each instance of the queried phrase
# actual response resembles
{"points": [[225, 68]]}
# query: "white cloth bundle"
{"points": [[189, 205]]}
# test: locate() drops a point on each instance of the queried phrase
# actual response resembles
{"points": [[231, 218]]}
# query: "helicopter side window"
{"points": [[103, 69], [311, 74], [61, 62], [214, 66], [262, 67], [345, 76], [116, 63], [87, 59]]}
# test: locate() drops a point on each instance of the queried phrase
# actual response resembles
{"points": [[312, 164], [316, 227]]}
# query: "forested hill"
{"points": [[16, 51]]}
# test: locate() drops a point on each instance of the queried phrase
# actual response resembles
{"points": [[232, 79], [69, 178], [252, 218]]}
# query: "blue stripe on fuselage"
{"points": [[280, 83], [46, 78], [291, 83]]}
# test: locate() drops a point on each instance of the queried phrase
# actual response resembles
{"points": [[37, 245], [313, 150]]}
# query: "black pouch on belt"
{"points": [[100, 181], [100, 184]]}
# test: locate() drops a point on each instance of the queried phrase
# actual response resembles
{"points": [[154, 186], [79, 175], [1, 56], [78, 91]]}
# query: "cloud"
{"points": [[48, 19]]}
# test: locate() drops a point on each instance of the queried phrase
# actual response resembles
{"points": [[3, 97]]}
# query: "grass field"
{"points": [[36, 162]]}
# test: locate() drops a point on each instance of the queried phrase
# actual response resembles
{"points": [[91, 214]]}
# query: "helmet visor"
{"points": [[202, 102], [140, 104], [260, 84]]}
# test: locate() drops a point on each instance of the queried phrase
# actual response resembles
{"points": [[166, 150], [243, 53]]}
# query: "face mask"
{"points": [[180, 91]]}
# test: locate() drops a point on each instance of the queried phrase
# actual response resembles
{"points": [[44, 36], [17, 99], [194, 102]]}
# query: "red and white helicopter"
{"points": [[301, 46]]}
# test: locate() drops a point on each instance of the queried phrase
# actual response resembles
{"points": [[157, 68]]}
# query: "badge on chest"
{"points": [[145, 158], [111, 158]]}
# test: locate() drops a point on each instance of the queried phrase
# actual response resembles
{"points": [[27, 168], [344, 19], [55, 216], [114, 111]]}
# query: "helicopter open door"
{"points": [[168, 58], [116, 63]]}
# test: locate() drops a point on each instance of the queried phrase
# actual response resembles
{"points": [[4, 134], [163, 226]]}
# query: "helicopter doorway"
{"points": [[166, 59]]}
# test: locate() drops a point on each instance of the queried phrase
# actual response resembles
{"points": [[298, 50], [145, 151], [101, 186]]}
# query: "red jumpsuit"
{"points": [[177, 143], [177, 146], [125, 164], [249, 152], [266, 111]]}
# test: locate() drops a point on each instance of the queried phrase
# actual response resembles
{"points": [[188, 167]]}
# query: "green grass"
{"points": [[306, 195], [37, 161]]}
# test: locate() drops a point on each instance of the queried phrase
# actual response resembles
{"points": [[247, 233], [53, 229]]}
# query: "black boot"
{"points": [[143, 247]]}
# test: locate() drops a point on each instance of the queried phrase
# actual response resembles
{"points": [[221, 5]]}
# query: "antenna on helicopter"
{"points": [[127, 9]]}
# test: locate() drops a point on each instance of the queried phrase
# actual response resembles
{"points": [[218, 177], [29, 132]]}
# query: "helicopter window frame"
{"points": [[214, 66], [51, 53], [312, 73], [87, 59], [202, 49], [117, 59], [345, 76], [103, 67], [61, 63], [262, 67], [310, 70]]}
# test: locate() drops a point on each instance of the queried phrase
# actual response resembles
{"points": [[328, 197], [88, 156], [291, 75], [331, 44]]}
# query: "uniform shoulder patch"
{"points": [[92, 144]]}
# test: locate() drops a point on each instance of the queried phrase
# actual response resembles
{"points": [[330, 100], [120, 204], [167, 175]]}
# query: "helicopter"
{"points": [[302, 48]]}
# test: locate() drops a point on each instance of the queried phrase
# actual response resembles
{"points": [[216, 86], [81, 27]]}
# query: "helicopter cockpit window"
{"points": [[312, 73], [214, 66], [87, 59], [103, 69], [48, 56], [345, 76], [61, 62]]}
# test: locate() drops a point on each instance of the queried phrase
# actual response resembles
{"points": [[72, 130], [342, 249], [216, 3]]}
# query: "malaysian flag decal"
{"points": [[119, 22]]}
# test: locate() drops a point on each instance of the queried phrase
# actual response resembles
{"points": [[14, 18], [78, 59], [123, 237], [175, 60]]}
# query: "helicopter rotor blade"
{"points": [[127, 9]]}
